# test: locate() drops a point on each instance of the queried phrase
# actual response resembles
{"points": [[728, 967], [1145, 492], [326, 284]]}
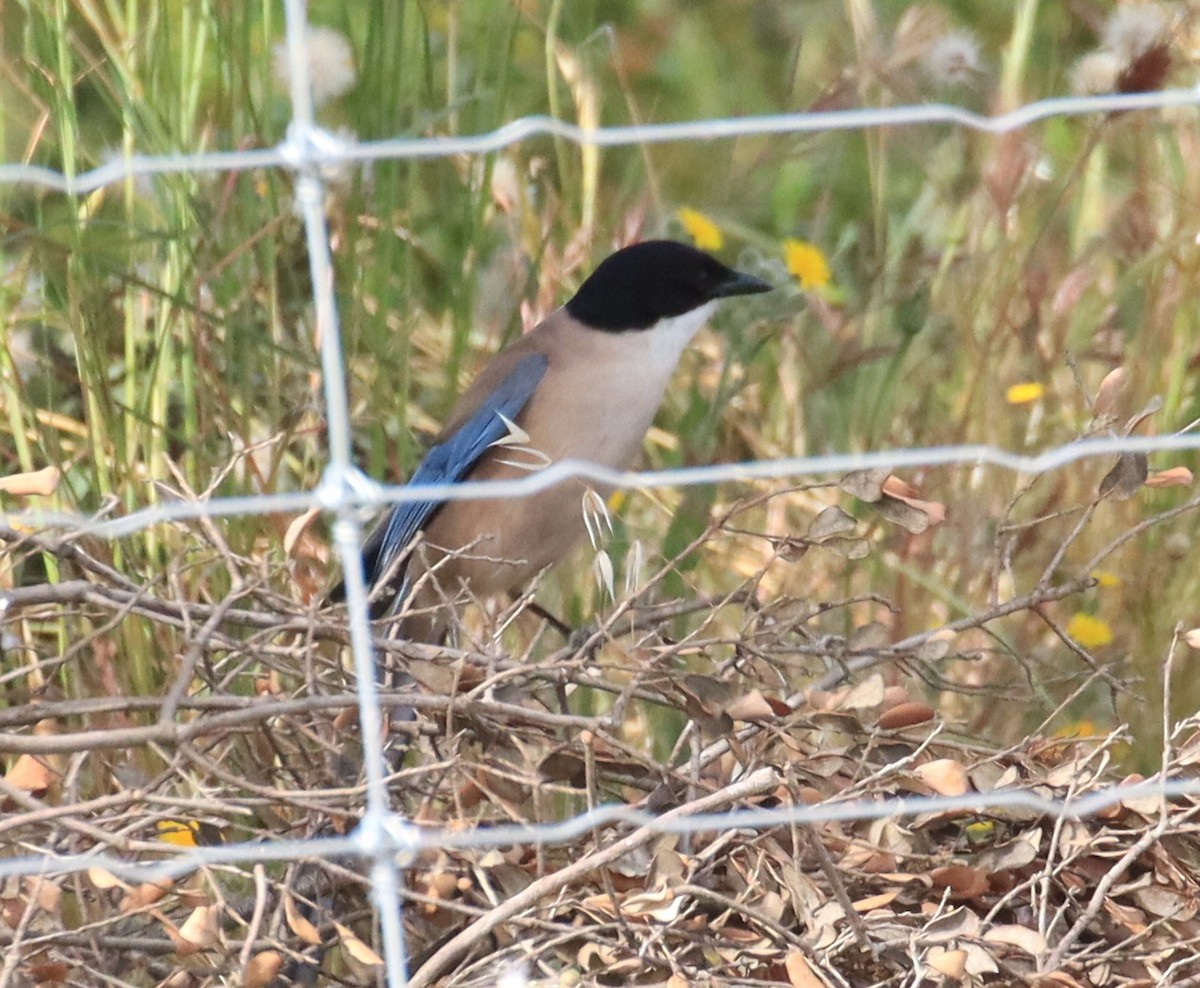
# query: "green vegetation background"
{"points": [[158, 333]]}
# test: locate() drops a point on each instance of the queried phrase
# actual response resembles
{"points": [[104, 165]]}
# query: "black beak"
{"points": [[740, 283]]}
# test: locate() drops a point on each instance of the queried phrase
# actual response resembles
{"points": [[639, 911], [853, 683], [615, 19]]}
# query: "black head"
{"points": [[639, 285]]}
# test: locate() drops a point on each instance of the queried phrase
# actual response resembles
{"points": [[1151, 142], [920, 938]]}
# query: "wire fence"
{"points": [[383, 839]]}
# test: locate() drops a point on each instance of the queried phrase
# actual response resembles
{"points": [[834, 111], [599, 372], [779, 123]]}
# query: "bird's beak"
{"points": [[742, 284]]}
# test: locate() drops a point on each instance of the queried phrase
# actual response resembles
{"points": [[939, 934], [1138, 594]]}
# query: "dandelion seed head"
{"points": [[953, 59], [1096, 73], [330, 64], [1134, 29]]}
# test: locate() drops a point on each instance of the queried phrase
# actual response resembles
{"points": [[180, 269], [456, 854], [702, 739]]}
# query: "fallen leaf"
{"points": [[356, 948], [202, 928], [1166, 903], [1133, 919], [865, 695], [751, 707], [30, 774], [963, 881], [866, 485], [1105, 402], [1174, 477], [262, 969], [832, 521], [296, 528], [951, 963], [1022, 937], [1056, 979], [945, 776], [37, 482], [905, 715], [104, 879], [299, 924], [800, 972], [47, 973], [146, 894], [876, 901]]}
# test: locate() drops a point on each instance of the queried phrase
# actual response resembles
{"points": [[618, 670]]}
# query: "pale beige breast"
{"points": [[598, 397]]}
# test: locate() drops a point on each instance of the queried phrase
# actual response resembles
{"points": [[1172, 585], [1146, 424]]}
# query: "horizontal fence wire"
{"points": [[351, 487], [382, 838], [399, 840], [307, 143]]}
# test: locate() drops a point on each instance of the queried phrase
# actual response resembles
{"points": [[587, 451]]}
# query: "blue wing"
{"points": [[449, 462]]}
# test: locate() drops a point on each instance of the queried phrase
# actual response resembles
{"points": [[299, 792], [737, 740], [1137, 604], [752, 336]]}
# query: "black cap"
{"points": [[657, 279]]}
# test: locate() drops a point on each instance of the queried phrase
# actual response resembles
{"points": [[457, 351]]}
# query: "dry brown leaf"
{"points": [[47, 972], [1012, 856], [905, 715], [356, 948], [45, 892], [979, 960], [912, 519], [202, 928], [37, 482], [296, 528], [104, 879], [262, 969], [146, 894], [1022, 937], [963, 881], [30, 774], [1165, 902], [1057, 979], [865, 695], [866, 485], [596, 956], [660, 904], [1067, 295], [1132, 918], [300, 925], [945, 776], [1105, 402], [951, 963], [1174, 477], [800, 972], [831, 522], [848, 548], [751, 707], [875, 901], [901, 490]]}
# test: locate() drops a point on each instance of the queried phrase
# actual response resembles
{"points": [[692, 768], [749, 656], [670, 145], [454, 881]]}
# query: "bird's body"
{"points": [[584, 384]]}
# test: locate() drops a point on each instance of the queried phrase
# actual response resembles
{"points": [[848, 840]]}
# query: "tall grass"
{"points": [[159, 339]]}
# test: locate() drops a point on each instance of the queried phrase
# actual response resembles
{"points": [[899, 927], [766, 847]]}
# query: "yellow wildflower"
{"points": [[1106, 579], [806, 263], [704, 232], [1089, 631], [1024, 393], [1079, 729]]}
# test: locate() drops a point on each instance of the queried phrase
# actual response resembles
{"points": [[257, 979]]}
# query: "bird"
{"points": [[584, 384]]}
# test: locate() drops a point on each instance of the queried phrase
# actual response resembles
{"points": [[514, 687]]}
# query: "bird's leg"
{"points": [[554, 621]]}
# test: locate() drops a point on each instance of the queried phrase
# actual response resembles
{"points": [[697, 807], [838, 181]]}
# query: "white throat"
{"points": [[668, 338]]}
